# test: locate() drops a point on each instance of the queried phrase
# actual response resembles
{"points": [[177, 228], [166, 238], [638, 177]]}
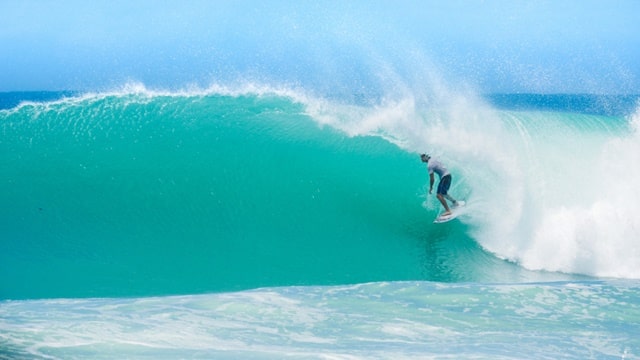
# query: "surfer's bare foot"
{"points": [[446, 213]]}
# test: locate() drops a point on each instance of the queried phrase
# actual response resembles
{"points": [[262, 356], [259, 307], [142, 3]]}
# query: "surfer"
{"points": [[436, 166]]}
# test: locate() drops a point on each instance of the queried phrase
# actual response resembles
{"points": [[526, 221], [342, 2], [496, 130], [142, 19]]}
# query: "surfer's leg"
{"points": [[453, 201], [443, 188], [444, 204]]}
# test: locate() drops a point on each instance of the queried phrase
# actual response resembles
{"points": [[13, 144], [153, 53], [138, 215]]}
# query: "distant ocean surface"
{"points": [[266, 223]]}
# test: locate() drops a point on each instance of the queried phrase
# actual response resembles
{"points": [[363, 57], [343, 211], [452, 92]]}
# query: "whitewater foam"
{"points": [[374, 320], [598, 236], [554, 191]]}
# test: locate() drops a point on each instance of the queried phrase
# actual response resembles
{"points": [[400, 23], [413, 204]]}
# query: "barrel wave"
{"points": [[138, 192], [144, 193]]}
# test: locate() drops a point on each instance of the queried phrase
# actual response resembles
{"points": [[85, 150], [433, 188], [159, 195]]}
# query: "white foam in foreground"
{"points": [[401, 320]]}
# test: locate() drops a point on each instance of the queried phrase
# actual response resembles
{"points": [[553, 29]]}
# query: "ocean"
{"points": [[261, 222]]}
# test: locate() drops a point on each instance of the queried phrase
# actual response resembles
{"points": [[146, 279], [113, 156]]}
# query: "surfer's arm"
{"points": [[431, 181]]}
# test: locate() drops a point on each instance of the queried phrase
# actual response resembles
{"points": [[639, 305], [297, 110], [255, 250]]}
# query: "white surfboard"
{"points": [[455, 211]]}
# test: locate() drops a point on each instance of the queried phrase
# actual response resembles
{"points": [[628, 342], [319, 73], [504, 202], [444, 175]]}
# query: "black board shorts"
{"points": [[444, 184]]}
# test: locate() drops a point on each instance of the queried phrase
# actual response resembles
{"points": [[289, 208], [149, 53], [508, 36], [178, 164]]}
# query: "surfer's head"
{"points": [[425, 157]]}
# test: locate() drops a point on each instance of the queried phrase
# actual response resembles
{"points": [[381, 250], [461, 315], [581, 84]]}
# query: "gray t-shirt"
{"points": [[437, 167]]}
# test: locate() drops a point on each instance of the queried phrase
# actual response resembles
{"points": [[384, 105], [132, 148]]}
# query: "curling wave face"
{"points": [[261, 186]]}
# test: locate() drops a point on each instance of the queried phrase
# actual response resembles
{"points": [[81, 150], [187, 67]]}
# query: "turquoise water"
{"points": [[149, 194], [260, 222], [166, 195]]}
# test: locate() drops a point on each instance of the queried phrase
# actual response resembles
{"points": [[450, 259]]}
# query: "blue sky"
{"points": [[493, 46]]}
